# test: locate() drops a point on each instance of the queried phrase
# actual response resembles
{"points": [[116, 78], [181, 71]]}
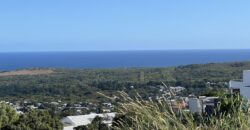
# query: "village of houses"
{"points": [[192, 104]]}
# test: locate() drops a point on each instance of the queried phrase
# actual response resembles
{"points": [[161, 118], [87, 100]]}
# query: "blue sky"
{"points": [[84, 25]]}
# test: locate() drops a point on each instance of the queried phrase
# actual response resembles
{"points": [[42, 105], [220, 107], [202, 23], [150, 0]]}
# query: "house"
{"points": [[209, 104], [194, 105], [177, 89], [203, 104], [70, 122], [241, 86]]}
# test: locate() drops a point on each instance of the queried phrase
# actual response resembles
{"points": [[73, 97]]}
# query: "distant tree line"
{"points": [[81, 84]]}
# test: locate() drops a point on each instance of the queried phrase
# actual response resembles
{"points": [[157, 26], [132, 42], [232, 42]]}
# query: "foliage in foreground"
{"points": [[96, 124], [32, 120], [138, 114]]}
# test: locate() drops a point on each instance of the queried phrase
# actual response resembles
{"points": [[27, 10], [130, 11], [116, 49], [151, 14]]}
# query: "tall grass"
{"points": [[139, 114]]}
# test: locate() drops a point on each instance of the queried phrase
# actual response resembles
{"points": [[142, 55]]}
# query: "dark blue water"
{"points": [[118, 59]]}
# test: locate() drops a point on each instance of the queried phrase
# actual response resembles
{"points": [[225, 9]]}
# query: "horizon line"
{"points": [[44, 51]]}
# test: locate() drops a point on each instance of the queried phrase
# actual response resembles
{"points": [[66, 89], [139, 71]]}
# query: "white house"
{"points": [[194, 105], [241, 86], [70, 122], [203, 104]]}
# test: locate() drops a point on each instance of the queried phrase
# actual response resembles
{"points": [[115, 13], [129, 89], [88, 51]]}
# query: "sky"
{"points": [[101, 25]]}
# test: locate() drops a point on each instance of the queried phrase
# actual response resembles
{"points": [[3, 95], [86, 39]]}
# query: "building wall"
{"points": [[246, 77], [244, 86], [245, 92], [235, 84], [194, 105]]}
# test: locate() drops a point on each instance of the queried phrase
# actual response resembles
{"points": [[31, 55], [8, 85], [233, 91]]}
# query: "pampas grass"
{"points": [[139, 114]]}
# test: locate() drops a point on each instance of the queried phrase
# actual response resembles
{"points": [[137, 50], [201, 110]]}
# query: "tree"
{"points": [[231, 103], [7, 115], [83, 127], [33, 120], [40, 120], [96, 124]]}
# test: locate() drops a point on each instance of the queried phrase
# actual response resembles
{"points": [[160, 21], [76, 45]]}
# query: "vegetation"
{"points": [[139, 114], [81, 84], [96, 124], [8, 115], [32, 120]]}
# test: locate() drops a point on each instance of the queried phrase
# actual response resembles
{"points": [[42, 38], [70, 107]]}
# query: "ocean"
{"points": [[118, 59]]}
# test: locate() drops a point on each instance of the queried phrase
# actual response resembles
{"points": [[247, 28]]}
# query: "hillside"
{"points": [[83, 84]]}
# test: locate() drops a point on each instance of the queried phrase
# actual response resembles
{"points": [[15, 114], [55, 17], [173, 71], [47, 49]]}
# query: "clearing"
{"points": [[27, 72]]}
